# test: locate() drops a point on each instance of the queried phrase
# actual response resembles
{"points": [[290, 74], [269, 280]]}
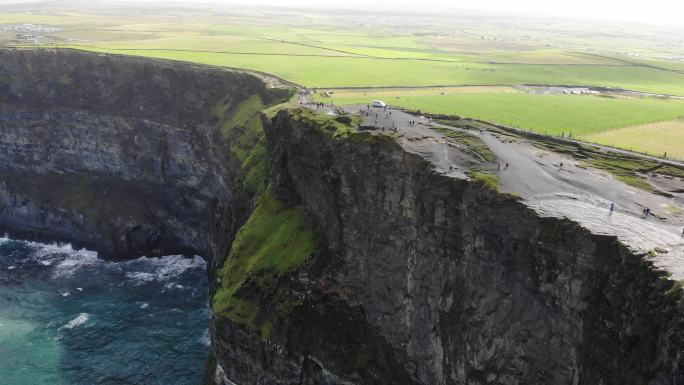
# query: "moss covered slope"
{"points": [[274, 241]]}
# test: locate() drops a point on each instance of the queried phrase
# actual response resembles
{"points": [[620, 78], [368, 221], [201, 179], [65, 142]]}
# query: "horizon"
{"points": [[658, 13]]}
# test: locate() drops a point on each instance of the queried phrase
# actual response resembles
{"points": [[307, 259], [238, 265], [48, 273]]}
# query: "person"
{"points": [[498, 167], [682, 233], [561, 165], [612, 206], [506, 168]]}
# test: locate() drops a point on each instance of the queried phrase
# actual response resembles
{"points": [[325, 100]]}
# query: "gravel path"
{"points": [[572, 191]]}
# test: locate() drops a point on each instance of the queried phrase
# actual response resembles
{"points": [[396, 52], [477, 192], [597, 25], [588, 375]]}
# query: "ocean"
{"points": [[68, 317]]}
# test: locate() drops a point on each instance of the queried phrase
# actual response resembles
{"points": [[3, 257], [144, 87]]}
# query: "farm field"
{"points": [[334, 54], [552, 114], [466, 66], [654, 138], [334, 71]]}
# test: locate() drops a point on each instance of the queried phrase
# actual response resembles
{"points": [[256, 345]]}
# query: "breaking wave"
{"points": [[78, 321], [78, 314]]}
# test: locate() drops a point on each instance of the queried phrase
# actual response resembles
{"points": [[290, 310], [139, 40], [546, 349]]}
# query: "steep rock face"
{"points": [[118, 154], [418, 278], [426, 279]]}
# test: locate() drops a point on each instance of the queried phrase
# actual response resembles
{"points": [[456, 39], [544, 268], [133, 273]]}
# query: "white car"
{"points": [[379, 103]]}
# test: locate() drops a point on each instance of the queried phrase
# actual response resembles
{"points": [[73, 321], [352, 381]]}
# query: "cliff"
{"points": [[336, 257], [118, 154], [428, 279]]}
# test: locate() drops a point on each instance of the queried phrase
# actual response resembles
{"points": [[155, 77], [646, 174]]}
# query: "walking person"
{"points": [[646, 212], [612, 207]]}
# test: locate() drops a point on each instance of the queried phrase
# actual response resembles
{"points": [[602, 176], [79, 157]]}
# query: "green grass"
{"points": [[551, 114], [474, 144], [242, 129], [335, 126], [329, 72], [363, 56], [486, 179], [653, 138], [274, 241]]}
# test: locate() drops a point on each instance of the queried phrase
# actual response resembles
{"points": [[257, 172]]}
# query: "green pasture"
{"points": [[331, 54], [551, 114], [339, 71], [490, 60]]}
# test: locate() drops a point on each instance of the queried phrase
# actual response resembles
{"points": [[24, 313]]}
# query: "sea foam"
{"points": [[79, 320]]}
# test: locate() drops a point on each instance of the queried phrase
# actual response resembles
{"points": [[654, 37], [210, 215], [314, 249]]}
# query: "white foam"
{"points": [[65, 294], [140, 276], [205, 338], [79, 320], [144, 305], [68, 260], [162, 269]]}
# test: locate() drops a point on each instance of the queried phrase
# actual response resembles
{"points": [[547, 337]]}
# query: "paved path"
{"points": [[572, 191]]}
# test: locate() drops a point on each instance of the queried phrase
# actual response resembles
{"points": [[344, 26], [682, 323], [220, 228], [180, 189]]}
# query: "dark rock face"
{"points": [[433, 280], [117, 154], [421, 278]]}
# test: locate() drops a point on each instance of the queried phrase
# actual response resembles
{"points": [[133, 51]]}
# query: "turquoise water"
{"points": [[67, 317]]}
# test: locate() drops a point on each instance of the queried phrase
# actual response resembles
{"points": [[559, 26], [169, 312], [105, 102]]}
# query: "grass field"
{"points": [[333, 71], [331, 54], [551, 114], [654, 138], [478, 62]]}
